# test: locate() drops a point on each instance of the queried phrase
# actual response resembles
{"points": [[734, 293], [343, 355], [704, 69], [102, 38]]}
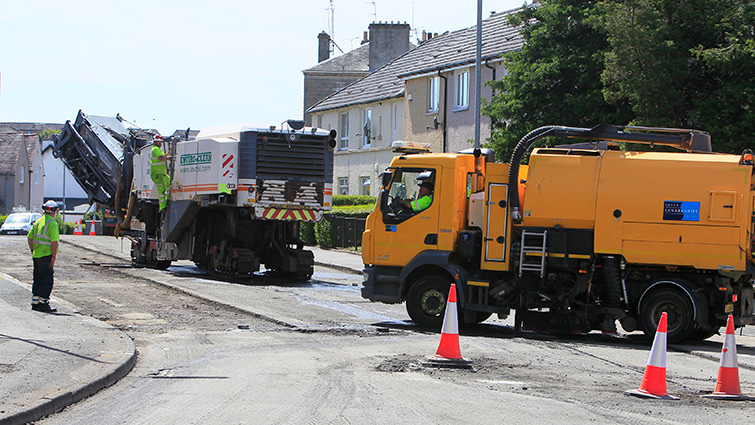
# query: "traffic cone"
{"points": [[449, 334], [654, 381], [727, 384], [449, 354], [77, 228], [91, 229]]}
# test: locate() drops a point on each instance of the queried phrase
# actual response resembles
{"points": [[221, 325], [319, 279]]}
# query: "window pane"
{"points": [[366, 127], [343, 185], [433, 93], [461, 94], [365, 185], [344, 131]]}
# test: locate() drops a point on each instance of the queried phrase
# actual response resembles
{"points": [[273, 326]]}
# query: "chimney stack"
{"points": [[323, 47], [387, 42]]}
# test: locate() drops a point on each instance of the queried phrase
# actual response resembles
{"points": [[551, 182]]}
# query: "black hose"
{"points": [[516, 159], [611, 282]]}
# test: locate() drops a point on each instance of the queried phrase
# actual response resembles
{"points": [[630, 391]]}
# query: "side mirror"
{"points": [[384, 200], [386, 177]]}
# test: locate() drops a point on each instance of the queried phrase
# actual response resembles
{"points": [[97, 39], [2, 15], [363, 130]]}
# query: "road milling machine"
{"points": [[582, 236], [237, 197]]}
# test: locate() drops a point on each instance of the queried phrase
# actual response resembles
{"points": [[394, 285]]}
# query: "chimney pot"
{"points": [[323, 47]]}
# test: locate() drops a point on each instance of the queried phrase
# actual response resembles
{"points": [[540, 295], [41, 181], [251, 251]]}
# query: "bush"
{"points": [[324, 233], [68, 228], [353, 210], [341, 200], [307, 233]]}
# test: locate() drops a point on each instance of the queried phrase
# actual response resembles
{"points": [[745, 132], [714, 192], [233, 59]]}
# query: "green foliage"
{"points": [[307, 233], [88, 216], [554, 79], [341, 200], [658, 63], [67, 228], [47, 134], [324, 233], [354, 210], [2, 219]]}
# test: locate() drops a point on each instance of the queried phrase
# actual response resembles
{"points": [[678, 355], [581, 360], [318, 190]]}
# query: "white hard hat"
{"points": [[50, 206]]}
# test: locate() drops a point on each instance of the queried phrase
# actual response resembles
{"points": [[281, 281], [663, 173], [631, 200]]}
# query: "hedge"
{"points": [[321, 233], [342, 200]]}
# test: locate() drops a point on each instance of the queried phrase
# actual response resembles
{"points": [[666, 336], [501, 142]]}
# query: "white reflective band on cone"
{"points": [[658, 352], [729, 357], [450, 320]]}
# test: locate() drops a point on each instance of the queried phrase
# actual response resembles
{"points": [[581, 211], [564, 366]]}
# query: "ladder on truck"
{"points": [[533, 242]]}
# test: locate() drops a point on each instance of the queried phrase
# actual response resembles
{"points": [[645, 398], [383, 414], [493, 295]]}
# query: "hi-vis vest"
{"points": [[44, 232], [157, 166], [422, 203]]}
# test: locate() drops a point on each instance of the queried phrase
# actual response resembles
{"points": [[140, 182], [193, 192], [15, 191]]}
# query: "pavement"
{"points": [[50, 361]]}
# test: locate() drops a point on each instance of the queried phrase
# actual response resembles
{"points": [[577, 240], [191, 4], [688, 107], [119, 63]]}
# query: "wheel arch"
{"points": [[699, 303], [433, 262]]}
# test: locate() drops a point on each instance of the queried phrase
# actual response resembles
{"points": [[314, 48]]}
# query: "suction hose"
{"points": [[516, 159]]}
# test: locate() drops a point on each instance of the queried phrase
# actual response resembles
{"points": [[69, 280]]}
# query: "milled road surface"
{"points": [[214, 351]]}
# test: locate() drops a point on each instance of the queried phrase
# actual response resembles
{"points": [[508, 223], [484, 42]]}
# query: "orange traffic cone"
{"points": [[449, 334], [654, 381], [449, 354], [727, 384], [77, 228], [91, 229]]}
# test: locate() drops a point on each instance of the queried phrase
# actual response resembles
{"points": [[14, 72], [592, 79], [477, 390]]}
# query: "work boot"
{"points": [[43, 307]]}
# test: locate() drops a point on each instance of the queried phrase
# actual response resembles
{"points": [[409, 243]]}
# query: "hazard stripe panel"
{"points": [[286, 214]]}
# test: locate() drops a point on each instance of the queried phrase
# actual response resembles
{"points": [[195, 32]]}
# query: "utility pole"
{"points": [[478, 76]]}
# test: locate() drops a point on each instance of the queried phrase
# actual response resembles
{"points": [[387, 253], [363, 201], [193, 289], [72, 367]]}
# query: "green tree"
{"points": [[555, 78], [47, 134], [683, 63]]}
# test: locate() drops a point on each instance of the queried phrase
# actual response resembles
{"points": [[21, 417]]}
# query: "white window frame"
{"points": [[21, 174], [343, 183], [366, 127], [344, 131], [364, 182], [461, 91], [433, 94]]}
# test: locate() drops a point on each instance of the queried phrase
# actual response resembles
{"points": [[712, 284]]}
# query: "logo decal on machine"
{"points": [[196, 158], [390, 227], [681, 211]]}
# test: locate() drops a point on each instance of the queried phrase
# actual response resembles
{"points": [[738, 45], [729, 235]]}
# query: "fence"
{"points": [[347, 231]]}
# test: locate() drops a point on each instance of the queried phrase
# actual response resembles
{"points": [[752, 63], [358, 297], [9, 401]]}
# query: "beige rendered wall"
{"points": [[358, 161], [459, 123]]}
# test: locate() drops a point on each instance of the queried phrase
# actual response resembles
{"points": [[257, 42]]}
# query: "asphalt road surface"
{"points": [[267, 351]]}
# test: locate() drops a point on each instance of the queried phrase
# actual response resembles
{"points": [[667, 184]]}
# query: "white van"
{"points": [[19, 223]]}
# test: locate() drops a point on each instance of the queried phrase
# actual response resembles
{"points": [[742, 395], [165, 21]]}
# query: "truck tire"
{"points": [[681, 323], [700, 334], [426, 301]]}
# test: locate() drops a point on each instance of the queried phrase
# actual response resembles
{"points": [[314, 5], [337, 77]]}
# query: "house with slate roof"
{"points": [[21, 172], [425, 95], [383, 42]]}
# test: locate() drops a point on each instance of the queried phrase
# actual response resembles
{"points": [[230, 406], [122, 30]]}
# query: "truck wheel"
{"points": [[426, 302], [700, 335], [681, 322]]}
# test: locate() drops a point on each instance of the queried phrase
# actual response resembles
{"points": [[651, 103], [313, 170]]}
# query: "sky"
{"points": [[175, 64]]}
